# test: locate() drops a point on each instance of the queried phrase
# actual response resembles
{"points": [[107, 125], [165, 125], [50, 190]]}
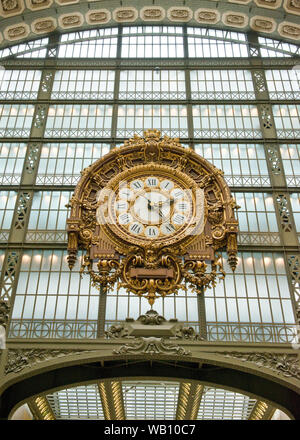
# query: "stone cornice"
{"points": [[280, 360]]}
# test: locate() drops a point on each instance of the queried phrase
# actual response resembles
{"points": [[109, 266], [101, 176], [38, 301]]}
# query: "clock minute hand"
{"points": [[149, 201]]}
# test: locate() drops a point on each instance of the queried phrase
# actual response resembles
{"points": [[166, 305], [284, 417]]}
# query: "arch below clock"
{"points": [[50, 376]]}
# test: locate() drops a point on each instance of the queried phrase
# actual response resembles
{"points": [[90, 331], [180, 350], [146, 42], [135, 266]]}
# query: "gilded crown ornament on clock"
{"points": [[151, 216]]}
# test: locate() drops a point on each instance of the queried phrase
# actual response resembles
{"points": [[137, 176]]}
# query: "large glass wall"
{"points": [[109, 84]]}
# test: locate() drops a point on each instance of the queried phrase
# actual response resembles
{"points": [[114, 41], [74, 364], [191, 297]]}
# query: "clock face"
{"points": [[151, 207]]}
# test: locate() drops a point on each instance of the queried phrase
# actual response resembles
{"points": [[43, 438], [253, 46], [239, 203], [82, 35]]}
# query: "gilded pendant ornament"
{"points": [[150, 217]]}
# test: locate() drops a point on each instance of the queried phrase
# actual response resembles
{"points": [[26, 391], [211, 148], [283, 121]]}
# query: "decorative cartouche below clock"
{"points": [[151, 215]]}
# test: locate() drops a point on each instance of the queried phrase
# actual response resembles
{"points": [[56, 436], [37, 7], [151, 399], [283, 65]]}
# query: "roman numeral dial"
{"points": [[152, 207]]}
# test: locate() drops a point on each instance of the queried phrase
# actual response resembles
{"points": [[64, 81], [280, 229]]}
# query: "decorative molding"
{"points": [[98, 16], [19, 359], [4, 312], [125, 15], [67, 21], [66, 2], [46, 81], [266, 116], [16, 31], [263, 24], [152, 13], [36, 5], [284, 212], [155, 325], [207, 16], [151, 318], [188, 333], [11, 7], [289, 30], [180, 14], [40, 116], [286, 365], [117, 331], [270, 4], [240, 2], [273, 156], [259, 81], [32, 157], [44, 25], [235, 19], [148, 324], [292, 6], [151, 346]]}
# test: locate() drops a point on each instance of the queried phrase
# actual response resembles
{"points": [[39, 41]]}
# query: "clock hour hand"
{"points": [[161, 215]]}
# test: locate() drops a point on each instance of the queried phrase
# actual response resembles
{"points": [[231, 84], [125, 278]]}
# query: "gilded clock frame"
{"points": [[153, 268]]}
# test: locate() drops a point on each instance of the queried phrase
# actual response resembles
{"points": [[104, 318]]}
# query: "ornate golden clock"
{"points": [[151, 204], [151, 216]]}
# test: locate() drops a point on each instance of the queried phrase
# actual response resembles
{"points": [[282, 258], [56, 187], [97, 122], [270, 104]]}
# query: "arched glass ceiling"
{"points": [[152, 42], [144, 400]]}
